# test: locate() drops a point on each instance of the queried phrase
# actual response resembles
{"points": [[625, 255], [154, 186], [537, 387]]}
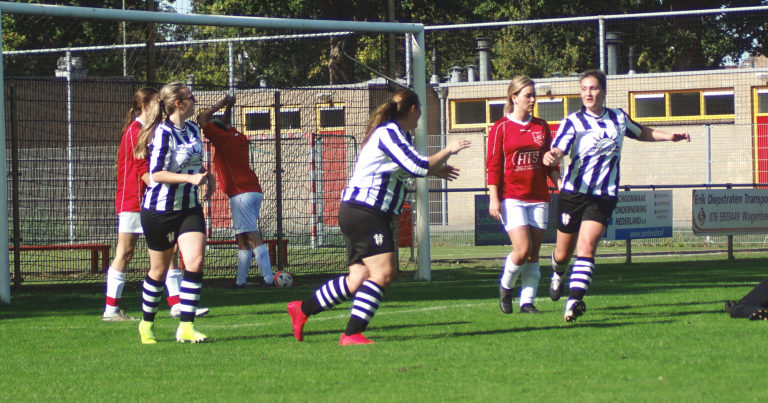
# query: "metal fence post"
{"points": [[70, 166], [708, 163], [278, 185], [601, 39], [5, 269], [15, 177], [231, 51]]}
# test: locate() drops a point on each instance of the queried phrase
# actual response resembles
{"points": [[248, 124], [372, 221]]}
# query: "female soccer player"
{"points": [[132, 181], [171, 212], [517, 183], [375, 193], [593, 138], [241, 184]]}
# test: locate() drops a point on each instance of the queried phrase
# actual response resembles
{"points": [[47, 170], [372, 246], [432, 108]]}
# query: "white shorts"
{"points": [[129, 223], [516, 213], [245, 209]]}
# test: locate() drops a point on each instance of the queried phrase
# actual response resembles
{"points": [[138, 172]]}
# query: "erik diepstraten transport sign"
{"points": [[730, 212]]}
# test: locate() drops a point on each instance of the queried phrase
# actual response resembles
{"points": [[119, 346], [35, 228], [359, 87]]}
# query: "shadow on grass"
{"points": [[337, 331], [531, 329]]}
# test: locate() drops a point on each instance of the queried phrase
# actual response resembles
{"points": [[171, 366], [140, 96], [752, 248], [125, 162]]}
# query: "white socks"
{"points": [[115, 283], [243, 265], [511, 271], [530, 283], [265, 266], [173, 285]]}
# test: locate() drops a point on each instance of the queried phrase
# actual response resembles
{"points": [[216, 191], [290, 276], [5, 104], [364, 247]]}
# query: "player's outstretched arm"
{"points": [[658, 135], [437, 160], [204, 117]]}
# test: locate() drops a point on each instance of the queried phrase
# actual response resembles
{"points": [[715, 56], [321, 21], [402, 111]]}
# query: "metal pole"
{"points": [[279, 185], [125, 51], [443, 141], [601, 34], [5, 266], [424, 270], [708, 162], [391, 54], [70, 166], [312, 192], [730, 239], [629, 251], [15, 175], [320, 199], [231, 49], [408, 58]]}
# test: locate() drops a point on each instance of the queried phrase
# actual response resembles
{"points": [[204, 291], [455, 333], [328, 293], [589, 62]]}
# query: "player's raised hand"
{"points": [[680, 137], [198, 179], [457, 145], [447, 172]]}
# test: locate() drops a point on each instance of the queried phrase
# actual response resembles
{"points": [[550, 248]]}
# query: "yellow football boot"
{"points": [[147, 332], [186, 333]]}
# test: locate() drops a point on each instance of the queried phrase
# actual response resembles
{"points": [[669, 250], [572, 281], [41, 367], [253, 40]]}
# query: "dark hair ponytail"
{"points": [[398, 106]]}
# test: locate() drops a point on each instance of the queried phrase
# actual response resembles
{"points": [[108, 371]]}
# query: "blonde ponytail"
{"points": [[169, 94]]}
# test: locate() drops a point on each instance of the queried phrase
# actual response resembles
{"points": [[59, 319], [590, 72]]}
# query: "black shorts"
{"points": [[573, 208], [367, 231], [162, 228]]}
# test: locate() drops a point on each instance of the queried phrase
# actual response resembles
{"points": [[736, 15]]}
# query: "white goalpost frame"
{"points": [[419, 85]]}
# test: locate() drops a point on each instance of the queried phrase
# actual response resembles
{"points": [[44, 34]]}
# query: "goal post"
{"points": [[418, 70]]}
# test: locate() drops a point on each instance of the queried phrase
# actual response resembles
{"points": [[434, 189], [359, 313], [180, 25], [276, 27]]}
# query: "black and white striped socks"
{"points": [[191, 285], [330, 294], [152, 293], [581, 277], [367, 301]]}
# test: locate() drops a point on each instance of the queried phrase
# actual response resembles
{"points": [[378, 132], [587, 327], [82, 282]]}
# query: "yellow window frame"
{"points": [[319, 106], [565, 99], [667, 106], [755, 114]]}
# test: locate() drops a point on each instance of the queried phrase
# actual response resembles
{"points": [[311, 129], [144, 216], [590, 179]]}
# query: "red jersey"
{"points": [[130, 187], [231, 159], [514, 162]]}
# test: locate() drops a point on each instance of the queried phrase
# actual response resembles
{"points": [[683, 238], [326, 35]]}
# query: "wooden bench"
{"points": [[95, 249], [271, 247]]}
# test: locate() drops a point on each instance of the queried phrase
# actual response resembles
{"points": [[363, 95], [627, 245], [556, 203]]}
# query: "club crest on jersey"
{"points": [[379, 239], [566, 218], [171, 237], [538, 137], [604, 145]]}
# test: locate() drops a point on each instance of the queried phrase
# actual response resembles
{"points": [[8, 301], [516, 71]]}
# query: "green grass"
{"points": [[654, 331]]}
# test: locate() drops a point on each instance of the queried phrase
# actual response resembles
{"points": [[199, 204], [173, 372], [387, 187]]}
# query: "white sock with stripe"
{"points": [[115, 283], [265, 265], [529, 280], [511, 272], [367, 301], [172, 284], [243, 265]]}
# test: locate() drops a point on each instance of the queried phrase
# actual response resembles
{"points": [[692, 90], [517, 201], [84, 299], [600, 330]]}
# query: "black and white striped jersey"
{"points": [[594, 146], [386, 161], [177, 150]]}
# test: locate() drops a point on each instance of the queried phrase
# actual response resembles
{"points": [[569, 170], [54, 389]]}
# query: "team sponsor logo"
{"points": [[702, 216], [604, 145], [379, 239], [538, 137], [565, 218], [524, 160]]}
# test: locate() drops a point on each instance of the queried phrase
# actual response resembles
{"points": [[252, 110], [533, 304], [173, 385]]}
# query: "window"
{"points": [[331, 116], [555, 109], [470, 113], [257, 120], [261, 120], [682, 105], [496, 109], [761, 99]]}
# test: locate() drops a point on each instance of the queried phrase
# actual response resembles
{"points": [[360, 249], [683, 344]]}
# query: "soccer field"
{"points": [[653, 331]]}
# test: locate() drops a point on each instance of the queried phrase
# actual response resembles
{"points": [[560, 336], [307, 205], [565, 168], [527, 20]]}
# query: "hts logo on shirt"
{"points": [[525, 160]]}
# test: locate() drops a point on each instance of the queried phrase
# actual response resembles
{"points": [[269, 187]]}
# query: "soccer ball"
{"points": [[283, 279]]}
